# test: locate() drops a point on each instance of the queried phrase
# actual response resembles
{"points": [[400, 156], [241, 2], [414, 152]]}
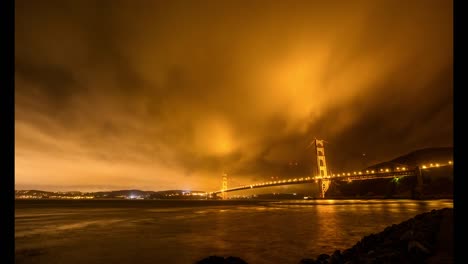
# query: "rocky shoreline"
{"points": [[425, 238]]}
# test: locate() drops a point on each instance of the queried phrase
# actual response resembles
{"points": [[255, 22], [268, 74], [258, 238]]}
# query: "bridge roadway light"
{"points": [[386, 170], [349, 174], [424, 166], [403, 168], [372, 171], [450, 162], [367, 171], [437, 165], [432, 165]]}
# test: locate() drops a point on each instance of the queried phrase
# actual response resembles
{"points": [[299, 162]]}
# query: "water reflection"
{"points": [[274, 232]]}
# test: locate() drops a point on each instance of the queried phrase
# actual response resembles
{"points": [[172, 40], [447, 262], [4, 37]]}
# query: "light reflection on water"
{"points": [[268, 232]]}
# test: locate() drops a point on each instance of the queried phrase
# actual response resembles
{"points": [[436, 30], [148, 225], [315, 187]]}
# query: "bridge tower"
{"points": [[322, 171], [224, 186]]}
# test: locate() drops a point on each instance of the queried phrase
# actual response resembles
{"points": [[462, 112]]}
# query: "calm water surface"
{"points": [[186, 231]]}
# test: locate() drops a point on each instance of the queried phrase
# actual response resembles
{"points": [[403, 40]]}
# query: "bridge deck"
{"points": [[351, 177]]}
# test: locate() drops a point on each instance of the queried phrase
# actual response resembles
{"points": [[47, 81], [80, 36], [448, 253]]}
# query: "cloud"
{"points": [[163, 95]]}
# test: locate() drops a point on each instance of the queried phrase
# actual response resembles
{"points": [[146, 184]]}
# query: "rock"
{"points": [[444, 245], [308, 261], [348, 253], [221, 260], [426, 237], [387, 242], [212, 260], [323, 257], [336, 258], [389, 256], [235, 260], [408, 235], [414, 245], [420, 235]]}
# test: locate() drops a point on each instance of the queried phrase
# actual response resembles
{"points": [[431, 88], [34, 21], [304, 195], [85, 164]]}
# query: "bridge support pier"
{"points": [[324, 184], [418, 190]]}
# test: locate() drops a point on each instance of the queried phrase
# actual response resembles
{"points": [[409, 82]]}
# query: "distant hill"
{"points": [[437, 182], [418, 157], [110, 194]]}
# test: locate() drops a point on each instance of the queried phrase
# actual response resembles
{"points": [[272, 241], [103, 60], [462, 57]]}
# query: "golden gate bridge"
{"points": [[324, 179]]}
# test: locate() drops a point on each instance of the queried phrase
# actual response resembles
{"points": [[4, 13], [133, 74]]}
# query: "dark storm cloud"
{"points": [[164, 95]]}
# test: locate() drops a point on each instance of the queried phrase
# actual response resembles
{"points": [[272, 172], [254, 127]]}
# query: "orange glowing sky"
{"points": [[159, 95]]}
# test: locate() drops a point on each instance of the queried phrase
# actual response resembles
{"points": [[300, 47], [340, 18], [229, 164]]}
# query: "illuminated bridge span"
{"points": [[324, 179], [340, 177], [317, 178]]}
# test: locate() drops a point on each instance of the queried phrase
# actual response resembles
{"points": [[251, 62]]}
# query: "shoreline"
{"points": [[252, 200], [425, 238]]}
